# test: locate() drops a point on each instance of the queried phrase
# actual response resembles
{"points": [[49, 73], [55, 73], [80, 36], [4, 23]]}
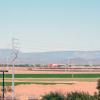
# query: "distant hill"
{"points": [[60, 57]]}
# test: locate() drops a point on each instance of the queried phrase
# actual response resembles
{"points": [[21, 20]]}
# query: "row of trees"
{"points": [[44, 65]]}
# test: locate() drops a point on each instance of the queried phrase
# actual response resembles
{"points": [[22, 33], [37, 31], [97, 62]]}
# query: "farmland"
{"points": [[52, 75], [47, 81]]}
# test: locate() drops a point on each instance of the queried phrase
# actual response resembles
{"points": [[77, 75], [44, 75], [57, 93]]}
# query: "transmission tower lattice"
{"points": [[15, 50]]}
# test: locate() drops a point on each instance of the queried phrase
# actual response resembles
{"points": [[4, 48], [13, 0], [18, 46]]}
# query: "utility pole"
{"points": [[15, 51], [3, 83]]}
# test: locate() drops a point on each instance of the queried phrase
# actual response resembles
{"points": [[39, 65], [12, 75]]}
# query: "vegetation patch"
{"points": [[42, 83], [52, 75]]}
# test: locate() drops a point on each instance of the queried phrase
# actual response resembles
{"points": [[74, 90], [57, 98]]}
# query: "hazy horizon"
{"points": [[52, 51]]}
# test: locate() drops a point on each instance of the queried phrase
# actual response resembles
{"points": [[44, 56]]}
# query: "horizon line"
{"points": [[26, 51]]}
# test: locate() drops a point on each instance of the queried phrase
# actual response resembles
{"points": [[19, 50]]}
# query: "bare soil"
{"points": [[23, 92]]}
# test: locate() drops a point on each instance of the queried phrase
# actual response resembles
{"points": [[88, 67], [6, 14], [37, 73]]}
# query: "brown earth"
{"points": [[31, 70], [23, 92]]}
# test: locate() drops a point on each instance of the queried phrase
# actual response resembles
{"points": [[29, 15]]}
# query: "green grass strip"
{"points": [[52, 76]]}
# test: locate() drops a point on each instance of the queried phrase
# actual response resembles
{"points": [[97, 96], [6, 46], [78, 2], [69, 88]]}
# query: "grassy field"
{"points": [[52, 75], [49, 78]]}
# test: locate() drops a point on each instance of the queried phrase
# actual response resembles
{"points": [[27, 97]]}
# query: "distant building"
{"points": [[55, 65]]}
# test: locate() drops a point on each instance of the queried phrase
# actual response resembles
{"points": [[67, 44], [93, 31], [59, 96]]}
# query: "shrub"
{"points": [[69, 96], [98, 88], [53, 96], [79, 96]]}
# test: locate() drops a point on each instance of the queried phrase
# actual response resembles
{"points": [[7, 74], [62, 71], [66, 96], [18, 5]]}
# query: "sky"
{"points": [[50, 25]]}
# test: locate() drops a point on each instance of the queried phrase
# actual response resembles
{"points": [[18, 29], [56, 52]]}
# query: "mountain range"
{"points": [[58, 57]]}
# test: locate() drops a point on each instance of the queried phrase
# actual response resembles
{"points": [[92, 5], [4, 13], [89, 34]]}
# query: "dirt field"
{"points": [[31, 70], [23, 92]]}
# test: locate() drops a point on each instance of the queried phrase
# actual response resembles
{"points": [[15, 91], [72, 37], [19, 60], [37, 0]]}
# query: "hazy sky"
{"points": [[48, 25]]}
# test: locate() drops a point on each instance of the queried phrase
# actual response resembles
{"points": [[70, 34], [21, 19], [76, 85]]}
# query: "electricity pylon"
{"points": [[15, 50]]}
